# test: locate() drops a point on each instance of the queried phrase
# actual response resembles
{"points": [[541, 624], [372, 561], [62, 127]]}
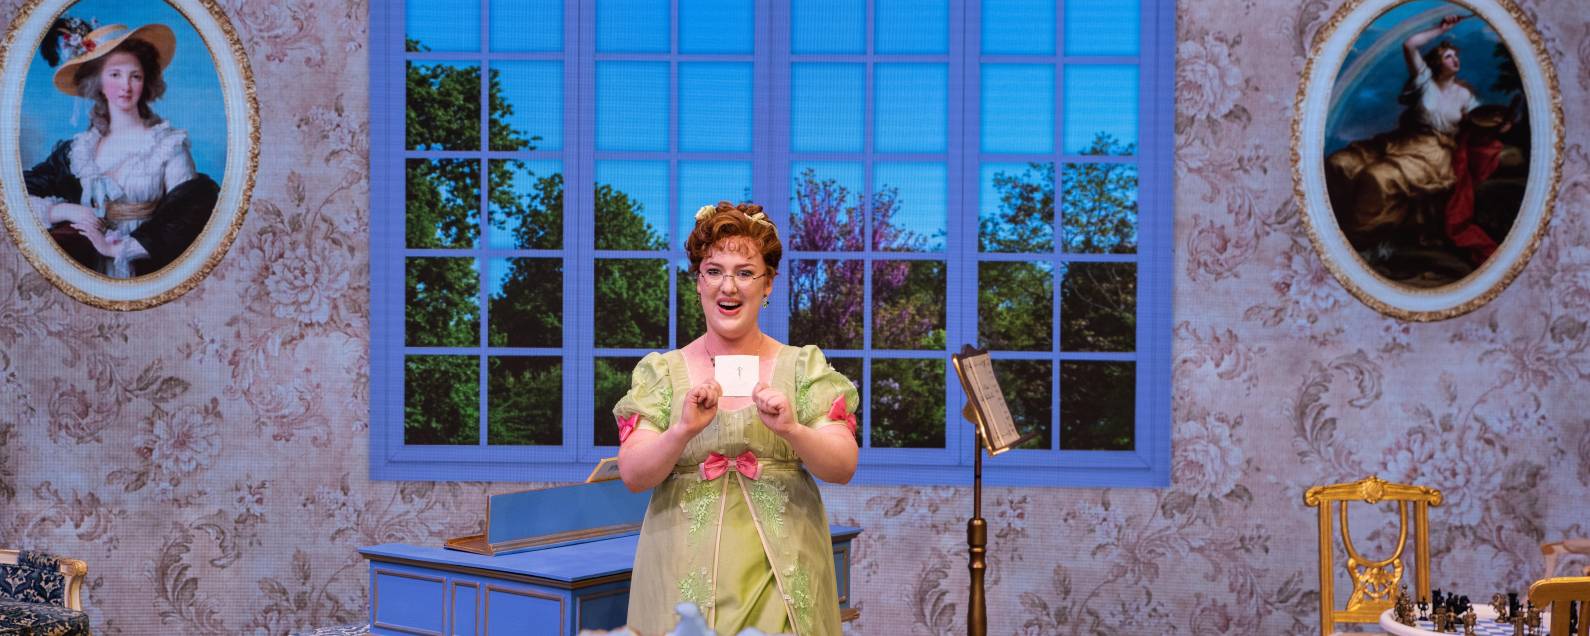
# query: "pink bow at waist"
{"points": [[717, 464]]}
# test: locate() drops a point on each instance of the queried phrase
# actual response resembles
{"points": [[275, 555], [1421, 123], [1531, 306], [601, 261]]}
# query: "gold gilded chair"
{"points": [[1557, 593], [1374, 581]]}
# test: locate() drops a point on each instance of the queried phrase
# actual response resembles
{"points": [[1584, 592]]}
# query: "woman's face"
{"points": [[1449, 62], [122, 81], [731, 306]]}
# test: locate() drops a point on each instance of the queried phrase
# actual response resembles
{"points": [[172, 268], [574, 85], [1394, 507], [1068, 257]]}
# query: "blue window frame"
{"points": [[942, 172]]}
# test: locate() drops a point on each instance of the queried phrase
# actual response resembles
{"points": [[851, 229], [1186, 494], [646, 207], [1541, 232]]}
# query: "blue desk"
{"points": [[560, 590]]}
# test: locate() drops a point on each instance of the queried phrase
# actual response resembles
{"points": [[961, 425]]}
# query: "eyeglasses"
{"points": [[715, 276]]}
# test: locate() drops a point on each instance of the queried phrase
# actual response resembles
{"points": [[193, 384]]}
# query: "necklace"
{"points": [[713, 358]]}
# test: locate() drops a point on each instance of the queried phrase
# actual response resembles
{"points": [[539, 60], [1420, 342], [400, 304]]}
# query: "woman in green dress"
{"points": [[736, 524]]}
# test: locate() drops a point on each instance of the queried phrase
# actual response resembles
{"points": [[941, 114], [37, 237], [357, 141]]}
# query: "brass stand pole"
{"points": [[977, 539]]}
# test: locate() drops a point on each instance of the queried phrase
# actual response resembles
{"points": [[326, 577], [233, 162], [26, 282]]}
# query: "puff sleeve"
{"points": [[823, 396], [649, 402]]}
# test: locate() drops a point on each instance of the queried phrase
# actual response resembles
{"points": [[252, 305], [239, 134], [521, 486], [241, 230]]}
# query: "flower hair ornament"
{"points": [[706, 212], [66, 39]]}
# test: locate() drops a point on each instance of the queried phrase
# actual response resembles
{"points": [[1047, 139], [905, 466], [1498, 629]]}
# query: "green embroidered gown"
{"points": [[750, 553]]}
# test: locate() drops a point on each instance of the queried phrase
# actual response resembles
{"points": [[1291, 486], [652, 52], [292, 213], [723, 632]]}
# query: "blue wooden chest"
{"points": [[556, 590]]}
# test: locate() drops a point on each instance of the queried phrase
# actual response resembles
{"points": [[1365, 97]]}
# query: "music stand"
{"points": [[996, 433]]}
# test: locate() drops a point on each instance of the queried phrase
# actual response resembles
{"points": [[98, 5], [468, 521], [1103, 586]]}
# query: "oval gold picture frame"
{"points": [[208, 23], [1322, 86]]}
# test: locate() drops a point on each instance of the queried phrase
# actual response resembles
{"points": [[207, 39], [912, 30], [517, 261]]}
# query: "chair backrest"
{"points": [[1558, 594], [1554, 552], [1374, 581], [72, 570]]}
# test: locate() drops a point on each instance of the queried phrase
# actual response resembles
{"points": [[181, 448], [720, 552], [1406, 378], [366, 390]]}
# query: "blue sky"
{"points": [[716, 113], [988, 203], [627, 26], [706, 182], [520, 25], [1370, 106], [1027, 27], [923, 197], [646, 183], [192, 100], [535, 89]]}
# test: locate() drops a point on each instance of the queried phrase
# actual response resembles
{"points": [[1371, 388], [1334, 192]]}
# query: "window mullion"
{"points": [[961, 246], [579, 229], [482, 209], [770, 165]]}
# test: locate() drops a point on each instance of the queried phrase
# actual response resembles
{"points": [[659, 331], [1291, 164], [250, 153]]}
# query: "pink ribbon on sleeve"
{"points": [[626, 425], [839, 413]]}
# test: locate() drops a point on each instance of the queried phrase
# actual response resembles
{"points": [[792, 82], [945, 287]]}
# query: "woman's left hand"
{"points": [[774, 409], [106, 246]]}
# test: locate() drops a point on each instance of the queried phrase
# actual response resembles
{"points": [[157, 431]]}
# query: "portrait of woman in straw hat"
{"points": [[123, 196]]}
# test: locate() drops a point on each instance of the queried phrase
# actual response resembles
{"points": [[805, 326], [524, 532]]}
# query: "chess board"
{"points": [[1486, 627]]}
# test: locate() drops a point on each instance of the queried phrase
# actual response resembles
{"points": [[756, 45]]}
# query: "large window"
{"points": [[942, 173]]}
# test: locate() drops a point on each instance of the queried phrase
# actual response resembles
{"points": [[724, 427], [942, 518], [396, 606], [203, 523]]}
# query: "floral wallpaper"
{"points": [[208, 457]]}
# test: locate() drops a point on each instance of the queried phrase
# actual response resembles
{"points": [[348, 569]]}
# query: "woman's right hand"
{"points": [[78, 215], [701, 405]]}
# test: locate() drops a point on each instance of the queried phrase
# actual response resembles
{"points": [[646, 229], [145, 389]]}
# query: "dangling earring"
{"points": [[765, 300]]}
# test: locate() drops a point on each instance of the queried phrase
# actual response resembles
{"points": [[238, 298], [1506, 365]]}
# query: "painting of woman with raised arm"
{"points": [[1426, 199]]}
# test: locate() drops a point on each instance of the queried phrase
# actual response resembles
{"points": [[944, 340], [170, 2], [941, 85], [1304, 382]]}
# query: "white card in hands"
{"points": [[736, 374]]}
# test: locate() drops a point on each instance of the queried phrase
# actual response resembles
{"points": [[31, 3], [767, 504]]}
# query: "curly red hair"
{"points": [[734, 223]]}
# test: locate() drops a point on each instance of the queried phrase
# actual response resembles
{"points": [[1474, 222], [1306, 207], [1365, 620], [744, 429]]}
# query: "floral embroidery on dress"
{"points": [[696, 588], [667, 395], [770, 499], [803, 398], [697, 503], [800, 596]]}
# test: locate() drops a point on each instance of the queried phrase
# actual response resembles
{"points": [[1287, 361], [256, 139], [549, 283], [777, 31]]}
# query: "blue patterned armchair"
{"points": [[41, 594]]}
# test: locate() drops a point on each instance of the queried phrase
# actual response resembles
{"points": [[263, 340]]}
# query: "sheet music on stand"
{"points": [[985, 404], [996, 431]]}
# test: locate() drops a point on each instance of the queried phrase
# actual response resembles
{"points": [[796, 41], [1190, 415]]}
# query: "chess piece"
{"points": [[1468, 622], [1402, 608], [1424, 610], [1442, 618], [1499, 603], [1518, 625], [1532, 618]]}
